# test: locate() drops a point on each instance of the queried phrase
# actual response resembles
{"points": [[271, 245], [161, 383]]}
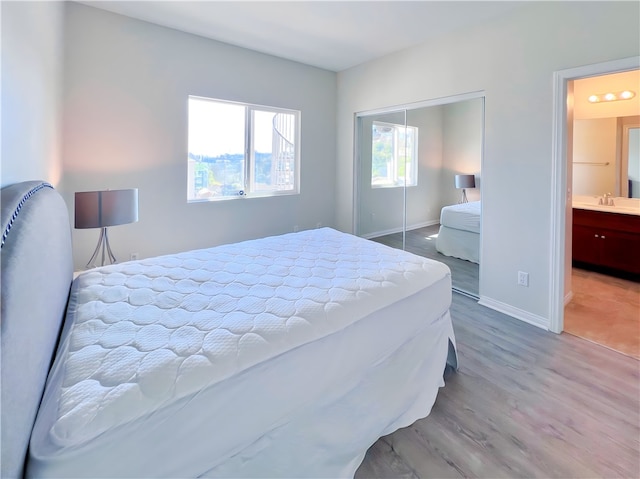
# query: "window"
{"points": [[393, 155], [238, 149]]}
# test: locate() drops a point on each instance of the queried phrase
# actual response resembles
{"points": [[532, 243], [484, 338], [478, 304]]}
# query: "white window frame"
{"points": [[250, 190], [392, 179]]}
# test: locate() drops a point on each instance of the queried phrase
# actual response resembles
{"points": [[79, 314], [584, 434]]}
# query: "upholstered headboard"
{"points": [[37, 271]]}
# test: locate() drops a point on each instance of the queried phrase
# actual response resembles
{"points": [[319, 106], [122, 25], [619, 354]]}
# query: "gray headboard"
{"points": [[37, 271]]}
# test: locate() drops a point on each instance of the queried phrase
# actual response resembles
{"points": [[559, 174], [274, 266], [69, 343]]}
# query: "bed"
{"points": [[286, 356], [459, 234]]}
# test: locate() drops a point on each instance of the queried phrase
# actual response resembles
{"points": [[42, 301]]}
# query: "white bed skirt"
{"points": [[459, 244], [387, 391]]}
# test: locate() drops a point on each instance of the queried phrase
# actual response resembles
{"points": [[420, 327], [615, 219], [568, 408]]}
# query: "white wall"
{"points": [[512, 59], [32, 59], [125, 125]]}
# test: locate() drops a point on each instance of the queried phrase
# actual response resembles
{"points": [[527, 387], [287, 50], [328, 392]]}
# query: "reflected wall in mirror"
{"points": [[406, 161]]}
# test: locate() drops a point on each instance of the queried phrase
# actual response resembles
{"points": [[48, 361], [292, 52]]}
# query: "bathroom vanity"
{"points": [[607, 240]]}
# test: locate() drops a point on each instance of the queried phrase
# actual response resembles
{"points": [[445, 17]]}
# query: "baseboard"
{"points": [[465, 293], [568, 297], [376, 234], [517, 313]]}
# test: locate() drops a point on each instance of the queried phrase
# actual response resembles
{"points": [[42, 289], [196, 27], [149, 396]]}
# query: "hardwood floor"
{"points": [[605, 310], [524, 403], [421, 241]]}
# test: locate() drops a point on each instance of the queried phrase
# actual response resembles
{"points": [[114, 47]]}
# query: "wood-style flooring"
{"points": [[605, 310], [422, 241], [524, 403]]}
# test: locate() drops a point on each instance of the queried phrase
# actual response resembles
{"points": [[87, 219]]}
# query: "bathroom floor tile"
{"points": [[605, 310]]}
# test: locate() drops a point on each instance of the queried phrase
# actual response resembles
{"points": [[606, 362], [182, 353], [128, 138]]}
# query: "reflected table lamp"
{"points": [[101, 209], [465, 181]]}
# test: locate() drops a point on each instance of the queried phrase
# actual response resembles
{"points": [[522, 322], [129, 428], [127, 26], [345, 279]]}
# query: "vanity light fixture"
{"points": [[621, 95]]}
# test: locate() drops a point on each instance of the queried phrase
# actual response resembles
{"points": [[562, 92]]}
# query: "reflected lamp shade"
{"points": [[465, 181], [101, 209]]}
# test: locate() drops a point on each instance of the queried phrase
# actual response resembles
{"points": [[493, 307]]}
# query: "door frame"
{"points": [[561, 192]]}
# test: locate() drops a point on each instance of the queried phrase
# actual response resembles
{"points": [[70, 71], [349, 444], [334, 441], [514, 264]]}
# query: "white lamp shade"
{"points": [[465, 181], [99, 209]]}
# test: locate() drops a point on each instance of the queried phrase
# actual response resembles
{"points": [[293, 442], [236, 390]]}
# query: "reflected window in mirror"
{"points": [[393, 155]]}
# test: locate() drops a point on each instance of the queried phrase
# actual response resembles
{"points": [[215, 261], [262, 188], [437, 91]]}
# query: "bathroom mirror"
{"points": [[606, 157], [630, 159]]}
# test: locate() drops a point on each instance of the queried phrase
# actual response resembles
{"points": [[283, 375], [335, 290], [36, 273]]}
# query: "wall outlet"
{"points": [[523, 278], [296, 228], [319, 224], [133, 256]]}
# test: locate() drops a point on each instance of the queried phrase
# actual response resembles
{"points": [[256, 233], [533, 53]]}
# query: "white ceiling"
{"points": [[334, 35]]}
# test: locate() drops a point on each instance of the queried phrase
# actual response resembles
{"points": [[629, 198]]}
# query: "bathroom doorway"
{"points": [[609, 301]]}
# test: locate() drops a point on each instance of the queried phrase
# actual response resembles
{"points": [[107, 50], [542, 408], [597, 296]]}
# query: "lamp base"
{"points": [[104, 246], [464, 197]]}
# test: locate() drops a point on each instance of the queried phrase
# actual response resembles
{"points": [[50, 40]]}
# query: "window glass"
{"points": [[240, 150], [393, 155]]}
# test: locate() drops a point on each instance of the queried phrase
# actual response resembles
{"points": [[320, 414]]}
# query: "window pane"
{"points": [[382, 153], [216, 147], [236, 147], [393, 155], [274, 150], [407, 157]]}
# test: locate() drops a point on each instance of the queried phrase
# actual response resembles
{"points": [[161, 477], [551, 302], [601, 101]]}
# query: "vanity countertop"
{"points": [[625, 206]]}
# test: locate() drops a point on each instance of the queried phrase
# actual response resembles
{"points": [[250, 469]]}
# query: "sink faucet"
{"points": [[606, 200]]}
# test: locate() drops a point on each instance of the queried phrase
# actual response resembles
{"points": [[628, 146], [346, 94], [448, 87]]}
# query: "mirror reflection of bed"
{"points": [[423, 242], [408, 161]]}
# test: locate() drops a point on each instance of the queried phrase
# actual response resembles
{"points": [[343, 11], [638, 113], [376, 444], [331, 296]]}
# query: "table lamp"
{"points": [[101, 209], [465, 181]]}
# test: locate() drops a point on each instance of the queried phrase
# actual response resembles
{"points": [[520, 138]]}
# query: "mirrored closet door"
{"points": [[381, 179], [407, 161]]}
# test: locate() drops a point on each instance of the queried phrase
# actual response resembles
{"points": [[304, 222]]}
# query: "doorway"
{"points": [[562, 178], [604, 306]]}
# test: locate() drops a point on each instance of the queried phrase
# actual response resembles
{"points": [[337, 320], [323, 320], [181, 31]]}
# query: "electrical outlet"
{"points": [[296, 228], [319, 224], [133, 257], [523, 278]]}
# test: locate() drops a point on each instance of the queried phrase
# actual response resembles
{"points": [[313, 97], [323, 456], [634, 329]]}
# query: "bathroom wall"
{"points": [[594, 156]]}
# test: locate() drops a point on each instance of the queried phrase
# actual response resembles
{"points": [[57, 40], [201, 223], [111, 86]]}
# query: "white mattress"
{"points": [[177, 365], [464, 216]]}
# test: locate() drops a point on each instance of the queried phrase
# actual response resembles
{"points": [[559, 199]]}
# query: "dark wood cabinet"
{"points": [[607, 241]]}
